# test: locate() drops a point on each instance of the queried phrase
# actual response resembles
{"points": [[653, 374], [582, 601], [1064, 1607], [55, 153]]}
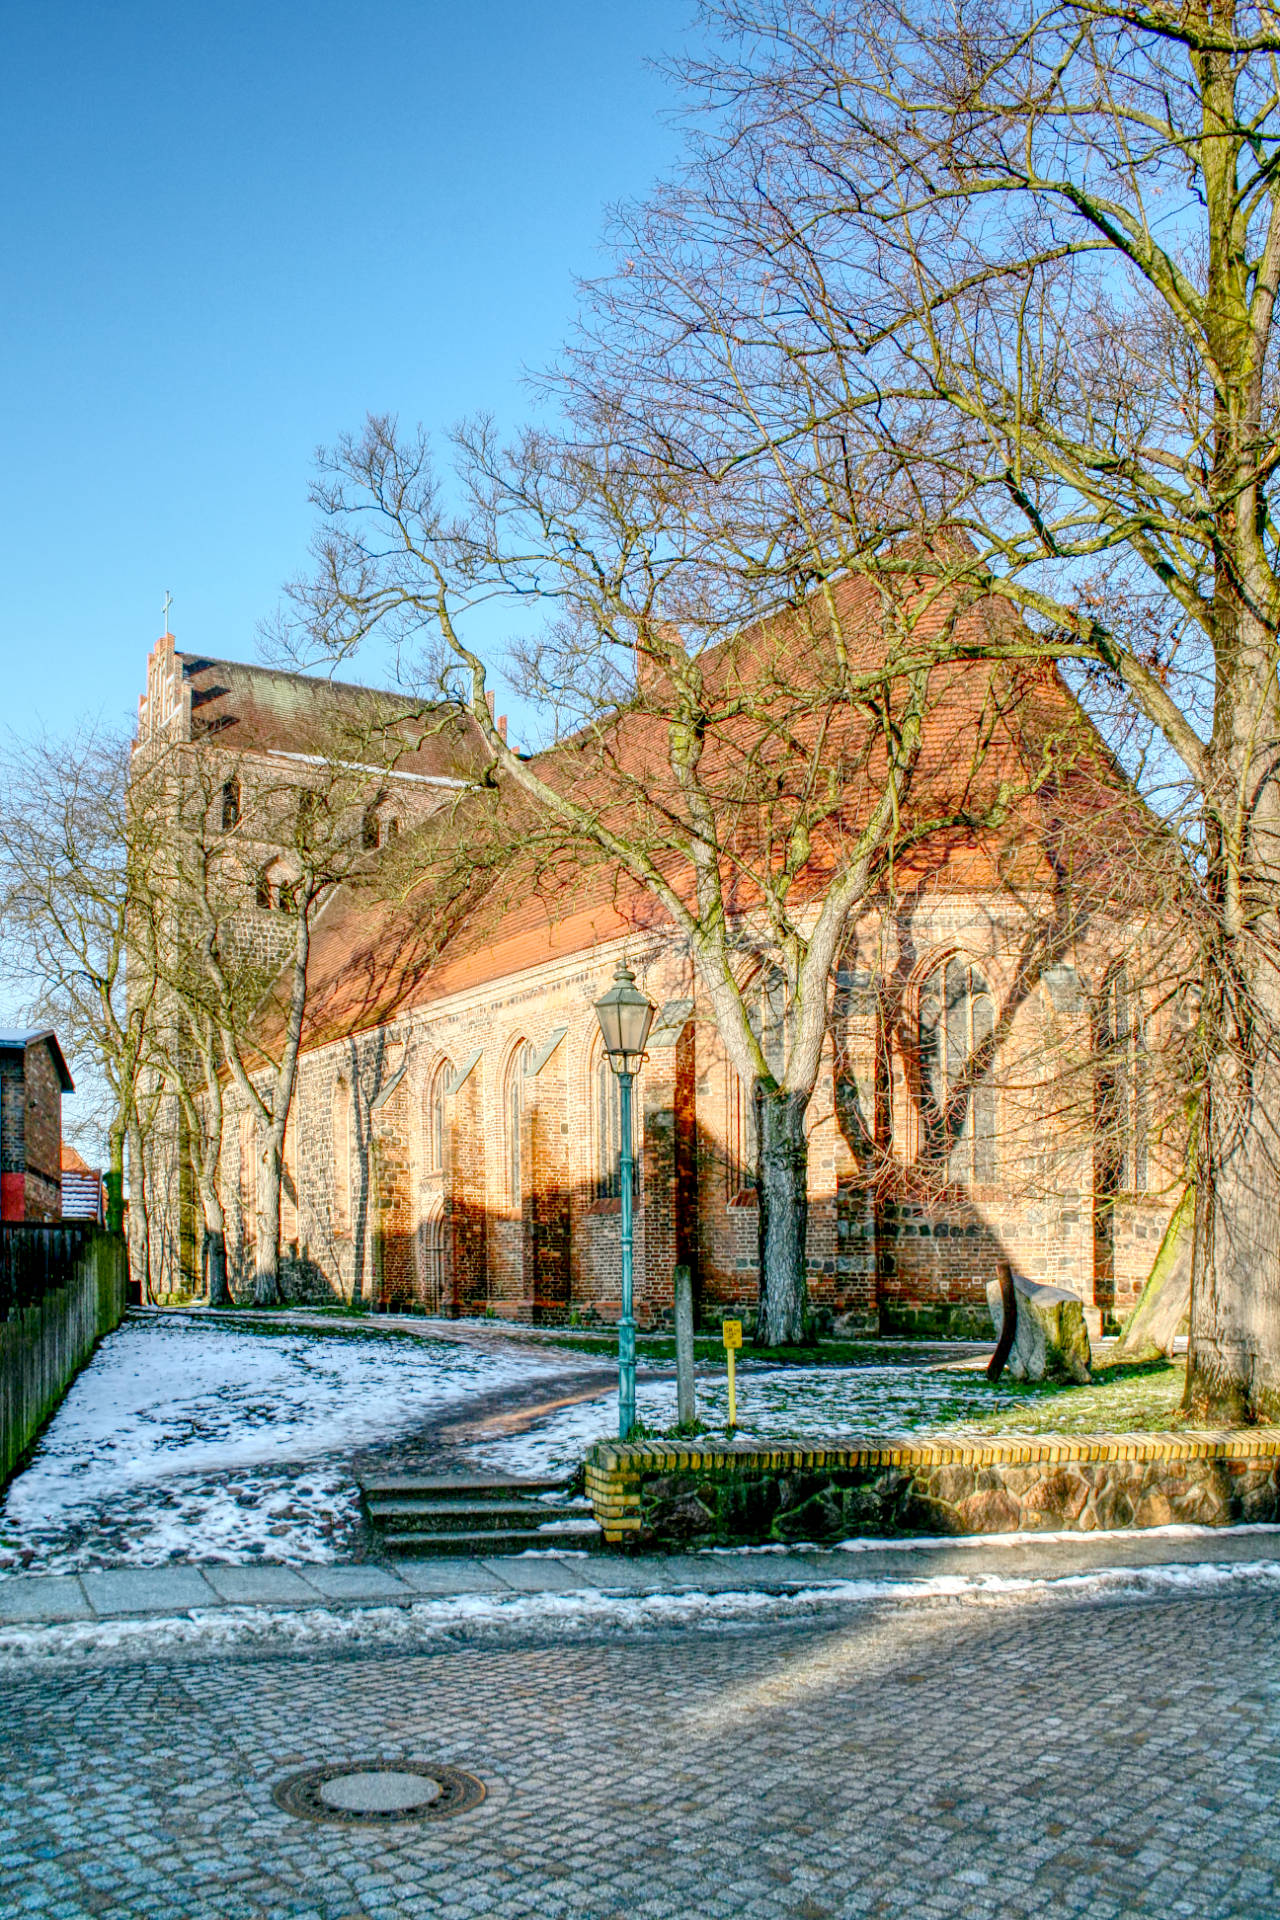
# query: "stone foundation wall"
{"points": [[653, 1494]]}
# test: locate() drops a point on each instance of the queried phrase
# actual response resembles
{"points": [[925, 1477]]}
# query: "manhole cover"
{"points": [[376, 1792]]}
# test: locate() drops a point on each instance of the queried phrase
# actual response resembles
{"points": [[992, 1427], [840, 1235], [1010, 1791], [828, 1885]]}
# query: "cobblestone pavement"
{"points": [[925, 1762]]}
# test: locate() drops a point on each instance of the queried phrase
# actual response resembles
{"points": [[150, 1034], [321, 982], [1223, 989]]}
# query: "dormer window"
{"points": [[230, 805]]}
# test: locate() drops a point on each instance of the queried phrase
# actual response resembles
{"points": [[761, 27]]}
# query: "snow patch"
{"points": [[775, 1403], [186, 1439], [464, 1618]]}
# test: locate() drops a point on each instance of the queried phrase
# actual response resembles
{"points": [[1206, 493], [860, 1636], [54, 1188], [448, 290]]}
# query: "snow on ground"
{"points": [[776, 1403], [488, 1619], [186, 1438]]}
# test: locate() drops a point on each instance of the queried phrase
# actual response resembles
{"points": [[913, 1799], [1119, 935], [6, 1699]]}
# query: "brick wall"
{"points": [[30, 1134], [13, 1147], [891, 1250]]}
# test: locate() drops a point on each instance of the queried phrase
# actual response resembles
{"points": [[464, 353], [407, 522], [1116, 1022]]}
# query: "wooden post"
{"points": [[686, 1394]]}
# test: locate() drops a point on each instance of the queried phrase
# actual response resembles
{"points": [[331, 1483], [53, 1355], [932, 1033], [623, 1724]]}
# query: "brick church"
{"points": [[453, 1142]]}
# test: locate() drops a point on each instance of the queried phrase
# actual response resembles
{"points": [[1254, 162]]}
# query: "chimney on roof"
{"points": [[502, 727]]}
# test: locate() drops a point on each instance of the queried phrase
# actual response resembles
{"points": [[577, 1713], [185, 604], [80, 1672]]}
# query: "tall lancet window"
{"points": [[435, 1131], [958, 1101], [341, 1116], [1120, 1090], [766, 1006], [607, 1115], [514, 1105]]}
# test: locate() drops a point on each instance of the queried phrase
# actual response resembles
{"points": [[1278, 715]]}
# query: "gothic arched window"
{"points": [[341, 1116], [289, 1201], [434, 1246], [434, 1128], [248, 1178], [606, 1115], [958, 1101], [513, 1117], [230, 804], [276, 889], [765, 1001], [1120, 1089], [608, 1128]]}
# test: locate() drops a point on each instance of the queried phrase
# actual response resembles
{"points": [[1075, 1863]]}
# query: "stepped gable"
{"points": [[1002, 732]]}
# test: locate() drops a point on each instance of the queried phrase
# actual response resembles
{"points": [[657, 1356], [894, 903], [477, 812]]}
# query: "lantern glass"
{"points": [[625, 1017]]}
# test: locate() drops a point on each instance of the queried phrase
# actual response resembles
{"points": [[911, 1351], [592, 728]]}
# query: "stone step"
{"points": [[577, 1538], [455, 1486], [476, 1513], [402, 1514]]}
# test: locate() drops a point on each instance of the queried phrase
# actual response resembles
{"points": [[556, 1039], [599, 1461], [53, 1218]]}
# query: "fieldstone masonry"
{"points": [[651, 1494]]}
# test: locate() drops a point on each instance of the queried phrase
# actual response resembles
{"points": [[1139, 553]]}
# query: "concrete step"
{"points": [[403, 1515], [425, 1542]]}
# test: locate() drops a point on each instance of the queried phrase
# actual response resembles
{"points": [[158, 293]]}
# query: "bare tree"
{"points": [[1021, 267], [753, 780], [72, 856]]}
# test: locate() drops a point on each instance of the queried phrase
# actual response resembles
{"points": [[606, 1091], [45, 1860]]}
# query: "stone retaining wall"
{"points": [[656, 1494]]}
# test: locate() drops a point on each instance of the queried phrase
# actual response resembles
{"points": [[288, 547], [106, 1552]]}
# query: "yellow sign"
{"points": [[732, 1337]]}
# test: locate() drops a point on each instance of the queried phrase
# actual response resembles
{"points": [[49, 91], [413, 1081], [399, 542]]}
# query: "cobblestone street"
{"points": [[926, 1762]]}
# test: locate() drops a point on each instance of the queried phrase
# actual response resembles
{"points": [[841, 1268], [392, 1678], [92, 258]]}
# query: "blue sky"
{"points": [[231, 230]]}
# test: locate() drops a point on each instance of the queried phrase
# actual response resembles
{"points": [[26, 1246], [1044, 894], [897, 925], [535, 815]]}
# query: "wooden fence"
{"points": [[61, 1289]]}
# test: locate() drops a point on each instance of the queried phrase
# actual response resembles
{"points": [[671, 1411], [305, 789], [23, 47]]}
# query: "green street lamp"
{"points": [[625, 1017]]}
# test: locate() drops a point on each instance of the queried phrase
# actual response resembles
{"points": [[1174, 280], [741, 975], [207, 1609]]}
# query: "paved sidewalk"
{"points": [[126, 1592]]}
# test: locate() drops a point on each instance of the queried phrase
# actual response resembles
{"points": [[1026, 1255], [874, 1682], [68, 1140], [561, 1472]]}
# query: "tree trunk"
{"points": [[1233, 1362], [215, 1249], [139, 1224], [215, 1268], [1233, 1367], [266, 1278], [115, 1178], [783, 1193]]}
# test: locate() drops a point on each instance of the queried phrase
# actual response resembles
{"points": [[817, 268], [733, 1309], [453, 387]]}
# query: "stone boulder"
{"points": [[1050, 1341]]}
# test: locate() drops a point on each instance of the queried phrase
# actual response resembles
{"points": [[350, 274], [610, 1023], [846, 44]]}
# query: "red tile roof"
{"points": [[996, 734]]}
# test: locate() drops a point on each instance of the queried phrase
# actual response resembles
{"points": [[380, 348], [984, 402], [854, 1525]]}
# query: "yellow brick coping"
{"points": [[610, 1461], [616, 1470]]}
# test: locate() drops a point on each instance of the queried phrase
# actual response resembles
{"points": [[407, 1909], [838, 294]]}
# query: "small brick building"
{"points": [[33, 1079]]}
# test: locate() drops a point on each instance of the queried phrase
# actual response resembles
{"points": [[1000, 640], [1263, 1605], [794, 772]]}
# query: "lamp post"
{"points": [[625, 1017]]}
